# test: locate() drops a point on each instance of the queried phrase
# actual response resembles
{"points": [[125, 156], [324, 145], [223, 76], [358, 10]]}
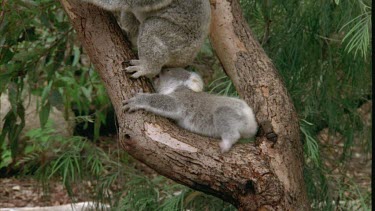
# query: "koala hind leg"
{"points": [[227, 140], [226, 122]]}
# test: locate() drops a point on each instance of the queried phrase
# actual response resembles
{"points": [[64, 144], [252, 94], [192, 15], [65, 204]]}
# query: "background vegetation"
{"points": [[321, 49]]}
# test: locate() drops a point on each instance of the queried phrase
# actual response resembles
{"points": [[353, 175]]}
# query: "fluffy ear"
{"points": [[195, 82]]}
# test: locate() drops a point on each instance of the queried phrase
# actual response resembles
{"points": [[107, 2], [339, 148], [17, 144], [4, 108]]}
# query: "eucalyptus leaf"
{"points": [[44, 114], [46, 92]]}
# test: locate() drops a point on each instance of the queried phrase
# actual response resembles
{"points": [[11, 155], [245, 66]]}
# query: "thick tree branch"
{"points": [[258, 83], [246, 176]]}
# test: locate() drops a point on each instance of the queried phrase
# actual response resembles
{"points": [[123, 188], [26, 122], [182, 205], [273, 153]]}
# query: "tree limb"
{"points": [[258, 83]]}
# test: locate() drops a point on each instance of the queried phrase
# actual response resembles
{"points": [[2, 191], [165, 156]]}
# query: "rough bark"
{"points": [[265, 177], [259, 84]]}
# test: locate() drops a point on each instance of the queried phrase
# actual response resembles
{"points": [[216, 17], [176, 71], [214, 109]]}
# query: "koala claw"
{"points": [[138, 74], [136, 70], [125, 102], [135, 62], [130, 107], [136, 66], [132, 69], [133, 103]]}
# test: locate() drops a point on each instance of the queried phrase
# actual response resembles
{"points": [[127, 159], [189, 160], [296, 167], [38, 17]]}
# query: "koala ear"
{"points": [[195, 82]]}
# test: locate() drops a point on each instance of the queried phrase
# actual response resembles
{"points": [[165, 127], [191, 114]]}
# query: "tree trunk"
{"points": [[262, 176]]}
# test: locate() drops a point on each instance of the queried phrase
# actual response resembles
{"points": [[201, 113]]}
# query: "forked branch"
{"points": [[264, 176]]}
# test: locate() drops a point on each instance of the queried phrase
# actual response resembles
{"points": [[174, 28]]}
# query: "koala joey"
{"points": [[167, 32], [179, 97]]}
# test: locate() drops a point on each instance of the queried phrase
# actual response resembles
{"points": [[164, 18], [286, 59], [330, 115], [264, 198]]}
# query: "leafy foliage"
{"points": [[358, 37], [39, 55], [162, 194]]}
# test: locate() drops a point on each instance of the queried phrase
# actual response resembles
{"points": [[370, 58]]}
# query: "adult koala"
{"points": [[167, 32]]}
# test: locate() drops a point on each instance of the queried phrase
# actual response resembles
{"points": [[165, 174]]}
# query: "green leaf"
{"points": [[6, 77], [29, 149], [68, 80], [46, 92], [6, 158], [98, 117], [77, 54], [43, 114], [87, 92], [27, 55], [5, 55]]}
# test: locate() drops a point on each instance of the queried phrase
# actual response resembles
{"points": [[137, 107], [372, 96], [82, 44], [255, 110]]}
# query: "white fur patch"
{"points": [[250, 113], [225, 145], [170, 88], [194, 82]]}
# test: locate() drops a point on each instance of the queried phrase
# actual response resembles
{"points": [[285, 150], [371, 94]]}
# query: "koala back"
{"points": [[181, 27], [213, 116]]}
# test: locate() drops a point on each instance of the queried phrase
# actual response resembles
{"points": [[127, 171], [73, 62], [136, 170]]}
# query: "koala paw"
{"points": [[137, 69], [129, 107], [132, 104], [225, 146]]}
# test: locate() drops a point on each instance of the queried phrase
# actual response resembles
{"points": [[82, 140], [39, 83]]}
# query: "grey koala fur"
{"points": [[180, 98], [167, 32]]}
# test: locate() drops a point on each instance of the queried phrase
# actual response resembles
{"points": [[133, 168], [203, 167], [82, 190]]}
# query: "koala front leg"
{"points": [[162, 105], [153, 50], [130, 24], [151, 58]]}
